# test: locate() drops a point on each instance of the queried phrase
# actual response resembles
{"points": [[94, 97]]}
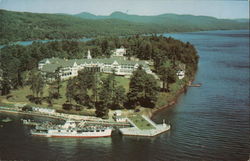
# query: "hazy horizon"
{"points": [[122, 12], [225, 9]]}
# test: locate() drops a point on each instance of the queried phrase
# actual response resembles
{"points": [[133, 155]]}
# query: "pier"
{"points": [[143, 126], [136, 125], [195, 85]]}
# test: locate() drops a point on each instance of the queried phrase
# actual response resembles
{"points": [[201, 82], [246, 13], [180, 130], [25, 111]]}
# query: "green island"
{"points": [[158, 69]]}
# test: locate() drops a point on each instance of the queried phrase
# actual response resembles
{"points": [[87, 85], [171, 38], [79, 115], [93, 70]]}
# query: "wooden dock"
{"points": [[195, 85]]}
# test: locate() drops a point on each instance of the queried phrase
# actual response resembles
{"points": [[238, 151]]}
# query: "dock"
{"points": [[136, 125], [143, 126], [109, 123], [195, 85]]}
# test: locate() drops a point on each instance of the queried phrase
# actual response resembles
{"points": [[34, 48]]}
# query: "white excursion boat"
{"points": [[71, 129]]}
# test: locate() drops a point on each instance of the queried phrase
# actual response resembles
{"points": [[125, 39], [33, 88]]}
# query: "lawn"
{"points": [[141, 123], [165, 98], [121, 81], [19, 95]]}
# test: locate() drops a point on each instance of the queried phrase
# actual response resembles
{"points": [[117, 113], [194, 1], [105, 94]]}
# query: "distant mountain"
{"points": [[19, 26], [242, 20], [87, 15], [176, 22]]}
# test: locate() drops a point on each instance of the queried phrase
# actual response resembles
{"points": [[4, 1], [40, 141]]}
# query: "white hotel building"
{"points": [[69, 68]]}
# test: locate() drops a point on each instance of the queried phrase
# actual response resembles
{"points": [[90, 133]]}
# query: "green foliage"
{"points": [[27, 108], [167, 74], [119, 97], [86, 79], [36, 83], [55, 85], [10, 67], [19, 26], [78, 88], [142, 89], [164, 54], [106, 93], [111, 95]]}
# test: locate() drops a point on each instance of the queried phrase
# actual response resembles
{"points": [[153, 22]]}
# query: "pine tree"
{"points": [[143, 89], [167, 74], [37, 83]]}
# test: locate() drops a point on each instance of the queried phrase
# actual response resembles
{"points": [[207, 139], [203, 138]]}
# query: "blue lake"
{"points": [[25, 43], [208, 123]]}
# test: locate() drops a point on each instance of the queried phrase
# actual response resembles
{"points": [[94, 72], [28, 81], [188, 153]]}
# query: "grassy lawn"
{"points": [[19, 96], [141, 123], [121, 81], [165, 98]]}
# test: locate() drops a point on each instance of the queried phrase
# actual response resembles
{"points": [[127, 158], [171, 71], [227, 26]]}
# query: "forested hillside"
{"points": [[173, 22], [19, 26]]}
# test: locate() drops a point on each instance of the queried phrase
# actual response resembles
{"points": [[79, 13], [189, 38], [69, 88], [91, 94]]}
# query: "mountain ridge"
{"points": [[21, 26], [116, 13]]}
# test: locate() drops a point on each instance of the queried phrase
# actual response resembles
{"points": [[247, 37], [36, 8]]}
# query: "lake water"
{"points": [[208, 123], [25, 43]]}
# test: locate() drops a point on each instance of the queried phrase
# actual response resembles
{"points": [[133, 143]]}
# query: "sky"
{"points": [[217, 8]]}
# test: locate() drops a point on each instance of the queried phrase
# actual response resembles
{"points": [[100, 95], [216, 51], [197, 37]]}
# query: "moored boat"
{"points": [[71, 129]]}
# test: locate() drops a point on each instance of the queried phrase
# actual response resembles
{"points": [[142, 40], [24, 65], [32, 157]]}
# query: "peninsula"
{"points": [[137, 73]]}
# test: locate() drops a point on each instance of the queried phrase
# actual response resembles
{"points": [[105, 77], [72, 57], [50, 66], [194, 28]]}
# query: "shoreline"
{"points": [[77, 39], [150, 113], [30, 114], [172, 102]]}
